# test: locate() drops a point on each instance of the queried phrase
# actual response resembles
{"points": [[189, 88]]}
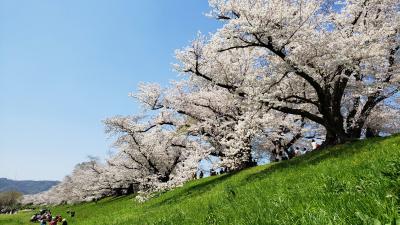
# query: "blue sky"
{"points": [[67, 65]]}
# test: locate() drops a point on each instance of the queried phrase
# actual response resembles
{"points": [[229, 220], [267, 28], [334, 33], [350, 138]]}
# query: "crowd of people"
{"points": [[293, 152], [44, 217], [8, 211], [287, 154]]}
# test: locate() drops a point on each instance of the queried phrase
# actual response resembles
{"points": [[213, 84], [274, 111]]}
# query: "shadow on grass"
{"points": [[316, 157], [195, 190], [115, 198], [312, 158]]}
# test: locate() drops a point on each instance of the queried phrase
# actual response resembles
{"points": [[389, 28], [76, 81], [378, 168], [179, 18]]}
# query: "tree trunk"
{"points": [[355, 133], [247, 161], [369, 133], [130, 189], [335, 137]]}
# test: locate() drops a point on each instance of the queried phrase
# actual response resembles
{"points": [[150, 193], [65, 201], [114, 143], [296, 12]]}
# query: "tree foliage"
{"points": [[9, 199]]}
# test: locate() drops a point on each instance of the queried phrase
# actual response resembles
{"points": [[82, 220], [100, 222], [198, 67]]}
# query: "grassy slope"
{"points": [[340, 185]]}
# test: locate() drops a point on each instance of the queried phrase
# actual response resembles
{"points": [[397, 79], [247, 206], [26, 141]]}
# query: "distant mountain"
{"points": [[25, 186]]}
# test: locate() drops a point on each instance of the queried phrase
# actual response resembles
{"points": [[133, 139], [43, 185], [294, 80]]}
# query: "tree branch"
{"points": [[300, 112]]}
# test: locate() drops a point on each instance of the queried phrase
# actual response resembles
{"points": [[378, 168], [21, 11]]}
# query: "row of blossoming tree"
{"points": [[275, 74]]}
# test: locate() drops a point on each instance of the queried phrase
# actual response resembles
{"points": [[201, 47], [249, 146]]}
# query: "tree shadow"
{"points": [[312, 158], [195, 190], [113, 199], [316, 157]]}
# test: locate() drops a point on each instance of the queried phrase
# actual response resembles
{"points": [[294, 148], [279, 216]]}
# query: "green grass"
{"points": [[357, 183]]}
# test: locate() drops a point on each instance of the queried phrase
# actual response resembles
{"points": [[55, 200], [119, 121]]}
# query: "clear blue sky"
{"points": [[67, 65]]}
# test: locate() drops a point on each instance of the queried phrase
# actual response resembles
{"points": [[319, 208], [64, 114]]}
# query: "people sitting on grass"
{"points": [[298, 152], [314, 145], [45, 216], [54, 221], [72, 213], [290, 152]]}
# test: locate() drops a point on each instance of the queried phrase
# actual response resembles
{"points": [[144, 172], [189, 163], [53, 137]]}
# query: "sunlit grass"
{"points": [[354, 183]]}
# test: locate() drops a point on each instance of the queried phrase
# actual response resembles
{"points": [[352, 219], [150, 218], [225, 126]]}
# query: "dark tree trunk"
{"points": [[334, 137], [369, 133], [247, 162], [130, 189], [118, 191], [164, 178], [355, 133]]}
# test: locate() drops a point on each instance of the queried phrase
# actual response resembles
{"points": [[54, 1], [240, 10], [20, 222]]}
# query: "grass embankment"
{"points": [[357, 183]]}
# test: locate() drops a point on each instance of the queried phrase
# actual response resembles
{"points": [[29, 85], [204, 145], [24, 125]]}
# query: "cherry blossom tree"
{"points": [[330, 62], [207, 114], [86, 183], [153, 153], [384, 120]]}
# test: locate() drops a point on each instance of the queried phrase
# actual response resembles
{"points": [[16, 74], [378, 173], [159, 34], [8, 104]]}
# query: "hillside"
{"points": [[354, 183], [25, 186]]}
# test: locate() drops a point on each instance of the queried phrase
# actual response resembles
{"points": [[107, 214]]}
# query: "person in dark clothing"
{"points": [[64, 222], [33, 218], [213, 172], [298, 152], [369, 133], [285, 156], [53, 221], [290, 152]]}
